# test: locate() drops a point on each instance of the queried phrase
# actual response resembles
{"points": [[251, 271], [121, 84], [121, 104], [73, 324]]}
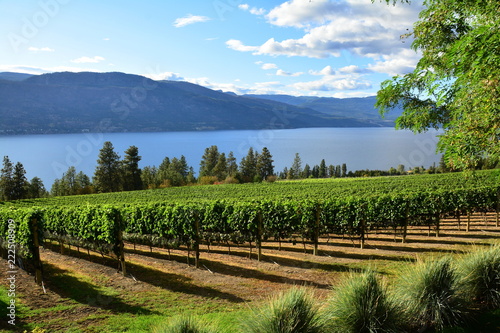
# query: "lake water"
{"points": [[48, 156]]}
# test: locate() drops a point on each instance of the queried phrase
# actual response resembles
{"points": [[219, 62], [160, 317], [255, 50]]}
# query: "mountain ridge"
{"points": [[66, 102]]}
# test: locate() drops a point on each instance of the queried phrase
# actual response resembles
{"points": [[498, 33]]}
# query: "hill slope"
{"points": [[117, 102], [362, 108]]}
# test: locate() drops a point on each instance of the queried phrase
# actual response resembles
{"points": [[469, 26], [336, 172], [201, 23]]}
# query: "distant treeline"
{"points": [[113, 174]]}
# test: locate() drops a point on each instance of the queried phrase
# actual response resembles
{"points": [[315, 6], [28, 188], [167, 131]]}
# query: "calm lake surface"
{"points": [[48, 156]]}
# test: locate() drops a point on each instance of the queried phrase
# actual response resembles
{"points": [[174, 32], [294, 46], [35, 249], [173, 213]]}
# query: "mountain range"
{"points": [[117, 102]]}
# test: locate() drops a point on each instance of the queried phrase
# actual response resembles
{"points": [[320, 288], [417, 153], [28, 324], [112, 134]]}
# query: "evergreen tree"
{"points": [[107, 175], [68, 182], [220, 168], [344, 170], [323, 171], [248, 166], [265, 167], [83, 184], [209, 161], [6, 179], [20, 183], [306, 172], [338, 171], [296, 169], [163, 170], [190, 178], [149, 177], [331, 170], [36, 189], [232, 166], [131, 173], [315, 171]]}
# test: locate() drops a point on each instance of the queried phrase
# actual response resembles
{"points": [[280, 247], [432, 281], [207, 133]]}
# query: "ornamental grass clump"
{"points": [[293, 311], [429, 295], [183, 324], [479, 273], [362, 304]]}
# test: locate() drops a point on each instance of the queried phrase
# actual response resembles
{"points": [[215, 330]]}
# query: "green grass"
{"points": [[429, 295], [293, 311], [361, 304], [480, 276]]}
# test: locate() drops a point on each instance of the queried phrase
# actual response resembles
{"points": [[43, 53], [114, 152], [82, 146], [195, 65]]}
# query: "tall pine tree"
{"points": [[107, 175], [131, 173], [265, 165], [6, 179]]}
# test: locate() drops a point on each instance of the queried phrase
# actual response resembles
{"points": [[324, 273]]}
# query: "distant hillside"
{"points": [[117, 102], [14, 76], [359, 108]]}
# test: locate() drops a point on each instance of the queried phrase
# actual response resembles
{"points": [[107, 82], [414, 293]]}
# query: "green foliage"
{"points": [[480, 276], [183, 324], [361, 304], [430, 296], [455, 84], [108, 175], [290, 312]]}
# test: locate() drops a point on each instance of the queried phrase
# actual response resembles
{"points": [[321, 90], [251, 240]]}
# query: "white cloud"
{"points": [[404, 63], [253, 10], [238, 46], [327, 70], [331, 27], [43, 70], [40, 49], [333, 84], [266, 66], [189, 19], [106, 39], [84, 60], [281, 72], [169, 76]]}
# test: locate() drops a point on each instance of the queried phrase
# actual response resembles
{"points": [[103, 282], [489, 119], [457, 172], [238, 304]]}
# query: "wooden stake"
{"points": [[316, 231], [36, 253]]}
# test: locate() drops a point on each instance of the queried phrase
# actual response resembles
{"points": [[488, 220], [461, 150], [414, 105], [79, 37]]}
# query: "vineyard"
{"points": [[247, 215]]}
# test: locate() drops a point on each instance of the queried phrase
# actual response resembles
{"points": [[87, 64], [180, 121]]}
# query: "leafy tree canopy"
{"points": [[455, 85]]}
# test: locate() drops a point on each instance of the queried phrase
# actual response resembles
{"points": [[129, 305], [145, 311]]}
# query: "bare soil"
{"points": [[84, 289]]}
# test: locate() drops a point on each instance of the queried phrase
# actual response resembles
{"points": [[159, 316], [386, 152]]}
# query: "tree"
{"points": [[248, 166], [36, 189], [232, 166], [209, 161], [344, 170], [220, 168], [107, 175], [131, 172], [456, 84], [306, 172], [19, 182], [6, 179], [323, 171], [265, 167], [296, 169], [149, 177], [83, 184]]}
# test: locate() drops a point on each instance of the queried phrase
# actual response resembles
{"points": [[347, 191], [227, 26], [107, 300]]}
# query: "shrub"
{"points": [[429, 297], [289, 312], [480, 276], [361, 304], [183, 325]]}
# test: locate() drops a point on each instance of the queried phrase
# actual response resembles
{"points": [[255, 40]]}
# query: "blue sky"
{"points": [[333, 48]]}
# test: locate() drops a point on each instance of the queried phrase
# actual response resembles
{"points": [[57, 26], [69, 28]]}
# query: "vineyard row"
{"points": [[104, 228]]}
